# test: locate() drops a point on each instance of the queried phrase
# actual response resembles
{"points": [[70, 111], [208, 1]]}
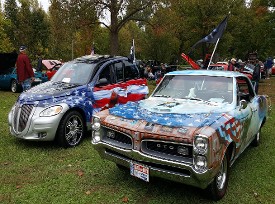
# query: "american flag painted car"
{"points": [[62, 108], [190, 130]]}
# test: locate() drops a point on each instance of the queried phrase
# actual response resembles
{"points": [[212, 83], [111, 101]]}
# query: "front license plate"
{"points": [[139, 171]]}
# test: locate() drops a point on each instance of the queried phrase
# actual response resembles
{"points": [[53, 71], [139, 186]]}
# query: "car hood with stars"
{"points": [[54, 92], [174, 113]]}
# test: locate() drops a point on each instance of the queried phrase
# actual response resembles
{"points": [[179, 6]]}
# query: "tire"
{"points": [[218, 187], [71, 130], [256, 141], [14, 86]]}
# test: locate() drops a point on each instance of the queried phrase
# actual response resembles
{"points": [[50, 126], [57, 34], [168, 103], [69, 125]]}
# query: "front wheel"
{"points": [[14, 86], [219, 185], [71, 130]]}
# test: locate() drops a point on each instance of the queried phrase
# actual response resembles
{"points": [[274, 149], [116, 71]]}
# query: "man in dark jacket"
{"points": [[25, 74], [256, 76]]}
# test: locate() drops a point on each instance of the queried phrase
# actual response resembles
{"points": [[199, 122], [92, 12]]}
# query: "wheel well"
{"points": [[263, 122], [231, 151], [80, 111]]}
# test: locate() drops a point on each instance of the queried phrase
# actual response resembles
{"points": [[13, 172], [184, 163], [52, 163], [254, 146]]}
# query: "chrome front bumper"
{"points": [[158, 167], [37, 128]]}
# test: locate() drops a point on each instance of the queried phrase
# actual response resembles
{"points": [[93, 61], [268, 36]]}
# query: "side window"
{"points": [[130, 71], [105, 76], [119, 71], [245, 90]]}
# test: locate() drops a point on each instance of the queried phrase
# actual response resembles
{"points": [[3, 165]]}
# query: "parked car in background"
{"points": [[61, 109], [247, 70], [50, 67], [273, 70], [8, 75], [191, 129]]}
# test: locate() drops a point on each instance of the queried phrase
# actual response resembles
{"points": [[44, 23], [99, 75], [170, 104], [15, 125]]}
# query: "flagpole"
{"points": [[213, 53]]}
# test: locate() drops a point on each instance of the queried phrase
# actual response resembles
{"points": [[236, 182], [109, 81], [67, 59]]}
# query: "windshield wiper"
{"points": [[159, 95]]}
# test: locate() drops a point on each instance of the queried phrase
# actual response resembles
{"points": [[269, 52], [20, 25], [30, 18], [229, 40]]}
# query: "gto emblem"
{"points": [[165, 146], [111, 134]]}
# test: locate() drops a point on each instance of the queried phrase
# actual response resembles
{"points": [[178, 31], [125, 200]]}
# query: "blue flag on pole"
{"points": [[214, 35]]}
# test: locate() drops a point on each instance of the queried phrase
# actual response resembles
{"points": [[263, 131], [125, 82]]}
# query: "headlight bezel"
{"points": [[96, 136], [201, 144], [200, 163]]}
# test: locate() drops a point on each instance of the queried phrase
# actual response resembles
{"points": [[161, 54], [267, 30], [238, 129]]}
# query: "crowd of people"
{"points": [[260, 70]]}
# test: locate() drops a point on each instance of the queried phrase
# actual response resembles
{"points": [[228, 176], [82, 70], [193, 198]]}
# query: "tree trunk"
{"points": [[114, 42]]}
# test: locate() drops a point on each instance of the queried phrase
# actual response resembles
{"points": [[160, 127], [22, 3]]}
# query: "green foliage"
{"points": [[74, 28], [41, 172], [5, 44], [162, 29]]}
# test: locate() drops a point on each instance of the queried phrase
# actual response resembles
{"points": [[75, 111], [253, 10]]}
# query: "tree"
{"points": [[10, 15], [73, 28], [5, 44], [121, 11]]}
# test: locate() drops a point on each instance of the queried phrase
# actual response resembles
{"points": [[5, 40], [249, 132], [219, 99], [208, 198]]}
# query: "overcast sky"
{"points": [[44, 4]]}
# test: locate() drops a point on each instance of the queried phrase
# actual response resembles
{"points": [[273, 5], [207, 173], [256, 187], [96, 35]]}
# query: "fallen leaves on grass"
{"points": [[80, 173], [125, 199]]}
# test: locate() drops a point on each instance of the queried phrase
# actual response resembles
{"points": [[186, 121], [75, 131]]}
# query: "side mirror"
{"points": [[243, 104], [101, 82]]}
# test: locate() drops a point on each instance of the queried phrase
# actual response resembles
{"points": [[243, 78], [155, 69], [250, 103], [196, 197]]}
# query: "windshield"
{"points": [[205, 88], [74, 73]]}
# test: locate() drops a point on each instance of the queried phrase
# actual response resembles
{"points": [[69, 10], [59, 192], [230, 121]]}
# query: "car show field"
{"points": [[42, 172]]}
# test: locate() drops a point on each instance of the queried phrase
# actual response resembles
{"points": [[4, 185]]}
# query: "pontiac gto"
{"points": [[191, 129]]}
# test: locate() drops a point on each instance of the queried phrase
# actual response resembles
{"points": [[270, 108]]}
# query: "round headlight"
{"points": [[200, 163], [200, 145], [96, 126], [95, 137]]}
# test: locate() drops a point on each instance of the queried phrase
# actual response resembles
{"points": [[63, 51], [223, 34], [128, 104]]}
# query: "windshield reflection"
{"points": [[202, 88], [74, 73]]}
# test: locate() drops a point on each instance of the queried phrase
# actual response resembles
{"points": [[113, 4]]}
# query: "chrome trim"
{"points": [[114, 142], [185, 159]]}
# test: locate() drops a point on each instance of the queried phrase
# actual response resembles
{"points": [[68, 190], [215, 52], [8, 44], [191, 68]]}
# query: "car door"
{"points": [[247, 108], [118, 82], [134, 87]]}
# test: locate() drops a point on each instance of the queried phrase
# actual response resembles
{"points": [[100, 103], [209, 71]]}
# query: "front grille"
{"points": [[168, 150], [151, 165], [116, 138], [21, 116]]}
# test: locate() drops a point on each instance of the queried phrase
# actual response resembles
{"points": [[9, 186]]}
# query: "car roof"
{"points": [[207, 73], [98, 58]]}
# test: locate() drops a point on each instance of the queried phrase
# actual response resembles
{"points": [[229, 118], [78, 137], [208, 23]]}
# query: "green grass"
{"points": [[41, 172]]}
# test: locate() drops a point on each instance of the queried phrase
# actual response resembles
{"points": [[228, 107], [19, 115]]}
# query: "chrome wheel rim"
{"points": [[221, 176], [258, 137], [74, 130], [13, 86]]}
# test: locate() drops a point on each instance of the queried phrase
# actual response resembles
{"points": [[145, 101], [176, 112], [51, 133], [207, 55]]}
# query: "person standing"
{"points": [[256, 76], [269, 64], [232, 65], [25, 74]]}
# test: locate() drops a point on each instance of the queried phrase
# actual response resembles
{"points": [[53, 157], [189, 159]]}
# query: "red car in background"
{"points": [[273, 70], [224, 67], [50, 67]]}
